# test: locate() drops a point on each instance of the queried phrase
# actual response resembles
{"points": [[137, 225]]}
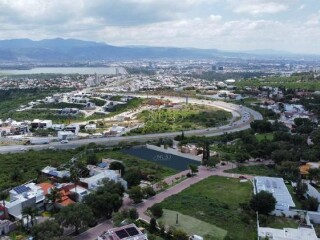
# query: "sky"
{"points": [[233, 25]]}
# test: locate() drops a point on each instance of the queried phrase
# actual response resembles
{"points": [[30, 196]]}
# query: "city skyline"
{"points": [[231, 25]]}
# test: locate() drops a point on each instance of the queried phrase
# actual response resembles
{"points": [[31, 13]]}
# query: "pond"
{"points": [[165, 159]]}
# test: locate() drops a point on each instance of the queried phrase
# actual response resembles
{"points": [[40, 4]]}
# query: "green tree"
{"points": [[106, 199], [149, 191], [117, 166], [153, 225], [133, 177], [74, 176], [92, 159], [53, 196], [29, 213], [78, 215], [179, 234], [213, 161], [314, 174], [136, 194], [46, 230], [156, 210], [301, 189], [263, 202], [310, 204], [193, 169]]}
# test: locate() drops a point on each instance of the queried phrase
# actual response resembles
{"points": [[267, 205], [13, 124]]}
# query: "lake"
{"points": [[66, 70]]}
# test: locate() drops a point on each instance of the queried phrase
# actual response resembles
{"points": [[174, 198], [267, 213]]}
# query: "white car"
{"points": [[64, 141], [23, 149]]}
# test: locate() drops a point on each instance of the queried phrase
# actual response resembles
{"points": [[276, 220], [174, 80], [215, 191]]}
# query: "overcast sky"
{"points": [[290, 25]]}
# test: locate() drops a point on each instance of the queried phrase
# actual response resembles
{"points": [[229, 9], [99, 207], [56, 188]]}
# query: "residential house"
{"points": [[128, 232]]}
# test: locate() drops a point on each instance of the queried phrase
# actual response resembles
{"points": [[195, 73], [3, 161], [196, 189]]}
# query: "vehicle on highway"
{"points": [[242, 177], [64, 141], [23, 149]]}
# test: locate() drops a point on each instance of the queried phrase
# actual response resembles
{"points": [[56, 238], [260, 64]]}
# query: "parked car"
{"points": [[242, 177], [64, 141]]}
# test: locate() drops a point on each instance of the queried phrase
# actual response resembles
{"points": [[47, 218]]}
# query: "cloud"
{"points": [[228, 24], [255, 7]]}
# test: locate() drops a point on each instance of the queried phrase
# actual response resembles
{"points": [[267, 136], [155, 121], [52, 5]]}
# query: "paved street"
{"points": [[203, 173], [246, 117]]}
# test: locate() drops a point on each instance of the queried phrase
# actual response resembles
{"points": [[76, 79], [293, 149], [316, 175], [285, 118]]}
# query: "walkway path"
{"points": [[203, 173]]}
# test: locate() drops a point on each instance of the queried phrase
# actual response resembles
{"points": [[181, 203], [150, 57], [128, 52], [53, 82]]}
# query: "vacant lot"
{"points": [[256, 170], [215, 201], [192, 225], [186, 117]]}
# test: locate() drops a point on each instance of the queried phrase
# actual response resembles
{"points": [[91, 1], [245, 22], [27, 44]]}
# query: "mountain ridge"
{"points": [[59, 49]]}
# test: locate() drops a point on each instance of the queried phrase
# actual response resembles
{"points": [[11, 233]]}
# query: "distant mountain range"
{"points": [[64, 50]]}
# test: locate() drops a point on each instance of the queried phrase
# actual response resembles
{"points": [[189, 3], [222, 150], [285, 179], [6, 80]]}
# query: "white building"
{"points": [[277, 188], [73, 128], [80, 193], [90, 127], [303, 232], [97, 177], [128, 232], [29, 195], [64, 135]]}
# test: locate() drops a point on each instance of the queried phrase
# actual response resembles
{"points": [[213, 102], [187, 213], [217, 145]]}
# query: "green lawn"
{"points": [[191, 225], [257, 170], [280, 222], [264, 136], [215, 201], [295, 199]]}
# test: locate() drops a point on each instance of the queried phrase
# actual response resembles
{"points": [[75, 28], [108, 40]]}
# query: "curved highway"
{"points": [[244, 115]]}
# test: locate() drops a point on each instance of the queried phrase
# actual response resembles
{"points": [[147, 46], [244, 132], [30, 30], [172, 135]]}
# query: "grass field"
{"points": [[280, 222], [263, 136], [215, 201], [192, 225], [187, 117], [257, 170]]}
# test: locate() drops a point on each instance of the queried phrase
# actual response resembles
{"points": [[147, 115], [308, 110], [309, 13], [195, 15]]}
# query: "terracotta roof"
{"points": [[45, 187]]}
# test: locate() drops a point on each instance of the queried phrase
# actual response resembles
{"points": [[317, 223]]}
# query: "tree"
{"points": [[3, 197], [106, 199], [133, 214], [289, 170], [74, 176], [310, 204], [213, 161], [136, 194], [133, 177], [301, 189], [263, 202], [78, 215], [193, 169], [314, 174], [149, 191], [156, 210], [29, 212], [92, 159], [153, 225], [117, 166], [178, 234], [46, 230], [53, 196]]}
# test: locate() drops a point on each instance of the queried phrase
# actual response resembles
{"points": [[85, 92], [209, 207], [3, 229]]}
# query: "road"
{"points": [[245, 115], [203, 173]]}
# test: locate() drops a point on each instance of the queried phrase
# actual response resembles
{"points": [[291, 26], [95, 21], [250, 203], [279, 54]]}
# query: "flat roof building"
{"points": [[128, 232], [277, 187]]}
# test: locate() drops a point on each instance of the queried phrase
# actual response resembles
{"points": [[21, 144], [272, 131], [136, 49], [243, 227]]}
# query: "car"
{"points": [[23, 149], [52, 148], [242, 177], [64, 141]]}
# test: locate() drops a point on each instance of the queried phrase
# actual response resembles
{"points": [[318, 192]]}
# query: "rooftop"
{"points": [[277, 187]]}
